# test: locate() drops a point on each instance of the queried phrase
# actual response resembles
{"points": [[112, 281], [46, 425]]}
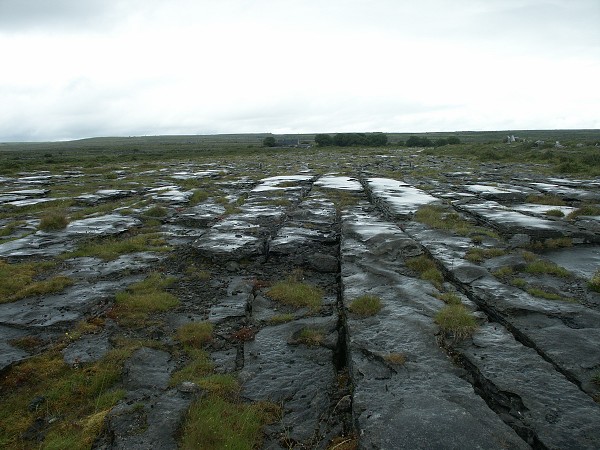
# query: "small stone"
{"points": [[323, 263], [519, 240], [35, 404], [188, 387]]}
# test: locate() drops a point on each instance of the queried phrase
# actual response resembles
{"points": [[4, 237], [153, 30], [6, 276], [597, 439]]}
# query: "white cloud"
{"points": [[149, 67]]}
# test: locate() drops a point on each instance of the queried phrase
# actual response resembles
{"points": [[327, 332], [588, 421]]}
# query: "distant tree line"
{"points": [[417, 141], [348, 139]]}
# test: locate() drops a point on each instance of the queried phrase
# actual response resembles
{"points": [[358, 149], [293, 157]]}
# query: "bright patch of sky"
{"points": [[73, 69]]}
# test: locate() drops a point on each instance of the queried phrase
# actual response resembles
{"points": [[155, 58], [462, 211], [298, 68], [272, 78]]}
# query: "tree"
{"points": [[453, 140], [416, 141], [269, 141], [323, 140]]}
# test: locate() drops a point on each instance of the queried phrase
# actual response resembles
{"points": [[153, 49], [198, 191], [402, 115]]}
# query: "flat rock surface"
{"points": [[230, 229]]}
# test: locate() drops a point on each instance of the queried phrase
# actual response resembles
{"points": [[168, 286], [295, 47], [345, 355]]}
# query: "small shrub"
{"points": [[457, 320], [365, 305], [53, 221], [297, 294]]}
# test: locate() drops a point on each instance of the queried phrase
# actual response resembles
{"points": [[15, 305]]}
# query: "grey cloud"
{"points": [[64, 15]]}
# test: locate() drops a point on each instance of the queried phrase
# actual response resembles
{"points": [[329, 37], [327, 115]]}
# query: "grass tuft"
{"points": [[18, 281], [427, 269], [195, 334], [594, 283], [53, 221], [141, 299], [456, 320], [297, 294], [365, 305]]}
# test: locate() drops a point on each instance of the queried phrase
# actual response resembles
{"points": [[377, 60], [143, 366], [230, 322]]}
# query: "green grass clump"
{"points": [[196, 370], [518, 282], [10, 227], [594, 283], [195, 334], [310, 337], [504, 272], [365, 305], [456, 320], [216, 423], [53, 221], [551, 200], [537, 292], [563, 242], [78, 398], [554, 213], [427, 270], [281, 318], [134, 305], [297, 294], [17, 281], [157, 212], [541, 267], [198, 196], [109, 249], [478, 255], [586, 210], [440, 218], [450, 298]]}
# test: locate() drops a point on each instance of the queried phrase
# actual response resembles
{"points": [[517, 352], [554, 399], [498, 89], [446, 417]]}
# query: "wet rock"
{"points": [[8, 353], [298, 376], [422, 403], [228, 246], [148, 369], [513, 222], [89, 348], [148, 425], [235, 304], [398, 198], [64, 308], [323, 263], [548, 410], [104, 195]]}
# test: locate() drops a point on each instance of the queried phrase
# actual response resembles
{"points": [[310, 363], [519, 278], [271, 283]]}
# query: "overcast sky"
{"points": [[73, 68]]}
